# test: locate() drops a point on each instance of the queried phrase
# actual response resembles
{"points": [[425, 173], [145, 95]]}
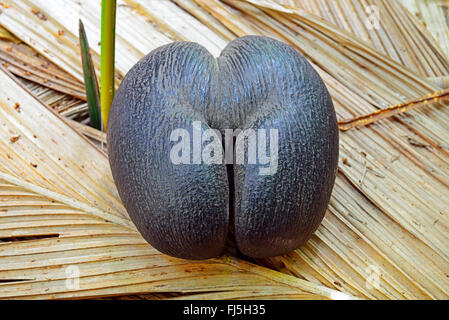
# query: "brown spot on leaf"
{"points": [[338, 284], [39, 14], [417, 144], [14, 139]]}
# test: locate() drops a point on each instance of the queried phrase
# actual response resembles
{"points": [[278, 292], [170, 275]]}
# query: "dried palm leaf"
{"points": [[8, 36], [66, 106], [97, 136], [378, 115], [434, 14], [386, 26], [388, 213], [24, 62], [442, 82]]}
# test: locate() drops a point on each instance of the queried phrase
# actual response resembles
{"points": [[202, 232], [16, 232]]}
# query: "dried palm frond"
{"points": [[8, 36], [385, 233], [386, 26], [73, 109], [378, 115], [24, 62], [434, 14]]}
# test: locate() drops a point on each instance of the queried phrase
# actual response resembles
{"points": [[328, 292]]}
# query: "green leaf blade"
{"points": [[90, 80]]}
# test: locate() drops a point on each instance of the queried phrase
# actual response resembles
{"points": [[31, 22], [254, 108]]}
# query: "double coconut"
{"points": [[257, 85]]}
